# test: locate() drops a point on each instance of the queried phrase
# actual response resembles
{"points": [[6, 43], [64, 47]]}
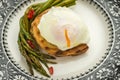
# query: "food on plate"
{"points": [[60, 32], [64, 34]]}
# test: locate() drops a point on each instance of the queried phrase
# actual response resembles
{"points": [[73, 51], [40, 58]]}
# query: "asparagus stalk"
{"points": [[46, 5], [51, 62], [30, 67], [56, 2], [66, 2], [47, 56], [35, 62], [24, 41], [68, 5], [35, 53], [23, 52], [38, 66], [22, 26], [44, 62], [26, 23]]}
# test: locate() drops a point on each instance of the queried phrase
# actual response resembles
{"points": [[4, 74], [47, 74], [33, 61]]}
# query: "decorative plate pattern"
{"points": [[109, 70]]}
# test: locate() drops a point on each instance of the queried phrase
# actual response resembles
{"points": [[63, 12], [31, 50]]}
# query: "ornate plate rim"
{"points": [[82, 75]]}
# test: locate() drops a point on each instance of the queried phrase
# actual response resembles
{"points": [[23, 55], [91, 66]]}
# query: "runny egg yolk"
{"points": [[63, 28], [67, 38]]}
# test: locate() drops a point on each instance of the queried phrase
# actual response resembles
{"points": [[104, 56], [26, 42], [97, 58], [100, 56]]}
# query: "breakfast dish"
{"points": [[50, 27], [61, 49]]}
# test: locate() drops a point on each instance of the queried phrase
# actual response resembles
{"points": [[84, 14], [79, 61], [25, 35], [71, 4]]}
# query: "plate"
{"points": [[102, 38], [100, 30]]}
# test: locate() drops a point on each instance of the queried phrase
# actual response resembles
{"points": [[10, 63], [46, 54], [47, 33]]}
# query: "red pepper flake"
{"points": [[30, 14], [30, 44], [51, 71]]}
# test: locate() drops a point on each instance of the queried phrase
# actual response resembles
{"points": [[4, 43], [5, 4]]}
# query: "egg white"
{"points": [[53, 24]]}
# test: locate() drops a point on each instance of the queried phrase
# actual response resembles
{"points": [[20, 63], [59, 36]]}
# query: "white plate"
{"points": [[101, 39]]}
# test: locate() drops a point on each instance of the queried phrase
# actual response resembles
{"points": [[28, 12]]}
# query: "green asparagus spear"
{"points": [[24, 41], [23, 52], [26, 23], [35, 7], [22, 26], [31, 52], [51, 62], [66, 2], [44, 62], [71, 4], [38, 66], [30, 67], [29, 61], [46, 5], [47, 56], [26, 46], [56, 2]]}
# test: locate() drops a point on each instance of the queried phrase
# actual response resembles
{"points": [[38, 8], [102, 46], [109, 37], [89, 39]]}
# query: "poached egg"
{"points": [[63, 28]]}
